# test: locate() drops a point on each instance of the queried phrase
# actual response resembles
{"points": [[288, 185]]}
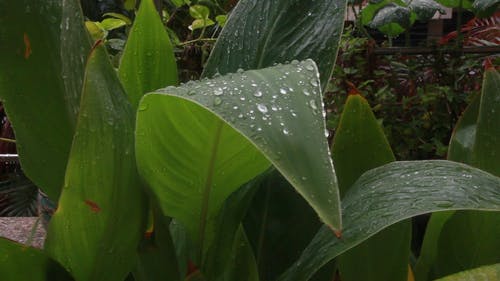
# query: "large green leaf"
{"points": [[42, 57], [223, 132], [19, 262], [148, 61], [358, 146], [96, 228], [483, 273], [260, 33], [464, 240], [279, 224], [384, 196]]}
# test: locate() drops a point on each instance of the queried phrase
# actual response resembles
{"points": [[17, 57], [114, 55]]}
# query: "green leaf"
{"points": [[484, 273], [42, 55], [469, 239], [221, 20], [279, 225], [198, 24], [425, 9], [96, 228], [19, 262], [384, 196], [119, 16], [199, 158], [199, 12], [358, 146], [227, 226], [111, 23], [485, 8], [148, 62], [288, 30], [129, 4]]}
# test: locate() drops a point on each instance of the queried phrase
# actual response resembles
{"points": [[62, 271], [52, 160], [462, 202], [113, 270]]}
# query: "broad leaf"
{"points": [[425, 9], [260, 33], [42, 57], [96, 228], [469, 239], [384, 196], [224, 131], [19, 262], [358, 146], [484, 273], [148, 61]]}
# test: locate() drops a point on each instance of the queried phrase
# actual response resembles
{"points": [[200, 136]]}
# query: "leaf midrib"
{"points": [[207, 189]]}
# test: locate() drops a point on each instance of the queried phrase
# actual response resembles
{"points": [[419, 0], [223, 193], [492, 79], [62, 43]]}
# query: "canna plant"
{"points": [[154, 183]]}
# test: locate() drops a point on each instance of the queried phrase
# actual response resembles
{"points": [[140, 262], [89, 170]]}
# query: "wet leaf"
{"points": [[358, 146], [384, 196], [96, 228], [287, 30], [42, 56], [148, 62], [215, 135]]}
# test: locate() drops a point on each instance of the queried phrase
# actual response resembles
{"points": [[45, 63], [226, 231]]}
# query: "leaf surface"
{"points": [[358, 146], [260, 33], [96, 228], [42, 56], [483, 273], [386, 195], [148, 61], [19, 262], [225, 131]]}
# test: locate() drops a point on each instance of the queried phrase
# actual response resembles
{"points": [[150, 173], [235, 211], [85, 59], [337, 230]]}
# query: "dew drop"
{"points": [[258, 94], [306, 92], [304, 178], [262, 108], [286, 132], [310, 67], [295, 62], [314, 82], [283, 91], [327, 133], [312, 104], [274, 108], [217, 101], [218, 92], [191, 93]]}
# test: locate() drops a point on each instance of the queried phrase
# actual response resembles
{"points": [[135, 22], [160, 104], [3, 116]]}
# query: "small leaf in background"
{"points": [[96, 228], [392, 19], [119, 16], [358, 146], [47, 46], [95, 30], [425, 9], [221, 20], [20, 262], [396, 191], [483, 273], [198, 24], [200, 158], [111, 23], [179, 3], [199, 12], [148, 61]]}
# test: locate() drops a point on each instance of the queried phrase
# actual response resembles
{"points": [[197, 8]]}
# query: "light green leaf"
{"points": [[111, 23], [95, 230], [199, 12], [198, 24], [358, 146], [19, 262], [119, 16], [148, 62], [42, 55], [287, 30], [384, 196], [221, 20], [193, 159], [484, 273]]}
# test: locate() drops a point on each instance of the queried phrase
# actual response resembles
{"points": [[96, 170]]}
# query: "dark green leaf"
{"points": [[19, 262], [42, 55], [148, 62], [484, 273], [260, 33], [96, 228], [358, 146], [384, 196], [194, 159]]}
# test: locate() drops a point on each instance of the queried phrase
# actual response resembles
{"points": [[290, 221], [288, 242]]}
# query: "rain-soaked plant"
{"points": [[157, 186]]}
